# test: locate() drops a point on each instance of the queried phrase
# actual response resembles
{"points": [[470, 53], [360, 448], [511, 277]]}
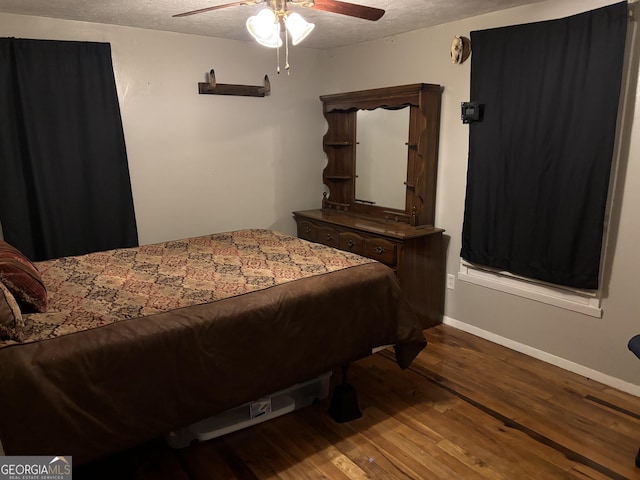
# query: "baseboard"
{"points": [[546, 357]]}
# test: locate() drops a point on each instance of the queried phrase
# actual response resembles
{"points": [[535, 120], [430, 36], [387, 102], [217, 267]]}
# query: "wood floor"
{"points": [[466, 408]]}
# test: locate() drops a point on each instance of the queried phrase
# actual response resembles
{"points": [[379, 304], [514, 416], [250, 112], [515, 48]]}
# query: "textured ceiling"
{"points": [[332, 30]]}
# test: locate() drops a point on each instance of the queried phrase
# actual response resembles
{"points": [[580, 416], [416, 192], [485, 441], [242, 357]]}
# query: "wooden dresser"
{"points": [[414, 253], [403, 237]]}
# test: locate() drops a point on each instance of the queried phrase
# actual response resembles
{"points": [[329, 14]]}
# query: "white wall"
{"points": [[557, 334], [201, 164], [207, 163]]}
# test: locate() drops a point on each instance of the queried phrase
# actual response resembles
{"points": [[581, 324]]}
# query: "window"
{"points": [[540, 159]]}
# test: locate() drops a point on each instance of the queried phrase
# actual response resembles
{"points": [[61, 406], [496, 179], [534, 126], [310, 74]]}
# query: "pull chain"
{"points": [[286, 49]]}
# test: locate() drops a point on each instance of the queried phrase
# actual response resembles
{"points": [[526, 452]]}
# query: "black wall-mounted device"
{"points": [[471, 112]]}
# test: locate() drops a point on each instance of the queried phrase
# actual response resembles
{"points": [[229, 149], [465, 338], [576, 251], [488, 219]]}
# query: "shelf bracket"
{"points": [[214, 88]]}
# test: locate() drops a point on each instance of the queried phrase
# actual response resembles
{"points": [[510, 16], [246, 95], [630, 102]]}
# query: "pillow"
{"points": [[22, 278], [11, 321]]}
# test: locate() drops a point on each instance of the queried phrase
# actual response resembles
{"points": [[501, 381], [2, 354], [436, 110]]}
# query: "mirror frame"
{"points": [[339, 144]]}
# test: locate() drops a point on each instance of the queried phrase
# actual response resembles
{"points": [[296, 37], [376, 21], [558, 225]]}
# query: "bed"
{"points": [[129, 344]]}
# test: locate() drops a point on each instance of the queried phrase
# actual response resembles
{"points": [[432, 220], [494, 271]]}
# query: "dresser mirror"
{"points": [[359, 185], [381, 157]]}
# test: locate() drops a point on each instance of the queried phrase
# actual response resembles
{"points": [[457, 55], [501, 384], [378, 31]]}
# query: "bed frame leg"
{"points": [[344, 402]]}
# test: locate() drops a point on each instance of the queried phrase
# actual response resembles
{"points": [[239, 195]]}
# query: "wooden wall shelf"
{"points": [[338, 144], [214, 88]]}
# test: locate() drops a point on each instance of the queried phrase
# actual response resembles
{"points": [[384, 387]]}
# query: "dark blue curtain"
{"points": [[539, 161], [64, 177]]}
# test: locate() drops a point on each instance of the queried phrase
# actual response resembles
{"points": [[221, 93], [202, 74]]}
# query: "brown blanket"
{"points": [[138, 342]]}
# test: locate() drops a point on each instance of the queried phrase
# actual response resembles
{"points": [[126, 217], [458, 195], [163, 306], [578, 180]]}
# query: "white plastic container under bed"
{"points": [[252, 413]]}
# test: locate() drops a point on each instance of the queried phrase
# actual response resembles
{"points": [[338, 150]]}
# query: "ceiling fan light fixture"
{"points": [[298, 27], [265, 28]]}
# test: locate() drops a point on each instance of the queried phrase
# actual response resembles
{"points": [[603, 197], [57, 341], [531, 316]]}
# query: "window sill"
{"points": [[582, 301]]}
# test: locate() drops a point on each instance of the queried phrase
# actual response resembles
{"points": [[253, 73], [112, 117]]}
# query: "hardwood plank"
{"points": [[457, 429], [214, 460], [265, 458], [310, 449], [365, 453], [566, 418]]}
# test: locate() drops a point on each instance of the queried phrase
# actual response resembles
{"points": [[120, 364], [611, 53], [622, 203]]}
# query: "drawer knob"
{"points": [[351, 244], [329, 237], [307, 229], [379, 250]]}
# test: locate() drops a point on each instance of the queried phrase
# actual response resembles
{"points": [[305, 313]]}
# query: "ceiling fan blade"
{"points": [[217, 7], [350, 9]]}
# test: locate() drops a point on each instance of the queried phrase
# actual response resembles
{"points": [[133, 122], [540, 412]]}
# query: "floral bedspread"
{"points": [[100, 288]]}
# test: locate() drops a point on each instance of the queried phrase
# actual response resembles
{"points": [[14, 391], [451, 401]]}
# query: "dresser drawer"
{"points": [[307, 230], [328, 236], [381, 250], [352, 242]]}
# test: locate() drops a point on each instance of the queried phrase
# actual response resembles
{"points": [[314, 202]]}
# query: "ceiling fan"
{"points": [[265, 27], [334, 6]]}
